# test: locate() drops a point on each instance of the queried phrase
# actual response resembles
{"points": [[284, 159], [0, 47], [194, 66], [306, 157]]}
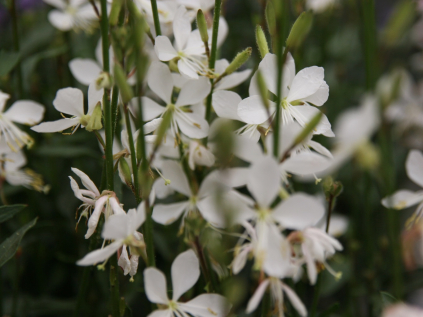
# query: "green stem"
{"points": [[330, 207], [213, 56], [114, 286], [15, 31], [115, 109], [156, 17]]}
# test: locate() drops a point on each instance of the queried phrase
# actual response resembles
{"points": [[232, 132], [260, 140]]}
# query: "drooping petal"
{"points": [[311, 265], [69, 101], [100, 255], [299, 211], [414, 167], [155, 286], [160, 81], [193, 91], [86, 181], [252, 110], [257, 296], [164, 49], [264, 181], [225, 103], [402, 199], [178, 181], [167, 214], [295, 300], [185, 273], [306, 83], [207, 305], [95, 216], [25, 112], [55, 126], [85, 70]]}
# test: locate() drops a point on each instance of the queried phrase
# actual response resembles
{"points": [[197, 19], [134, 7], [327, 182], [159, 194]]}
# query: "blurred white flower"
{"points": [[185, 273], [319, 5], [402, 310], [199, 155]]}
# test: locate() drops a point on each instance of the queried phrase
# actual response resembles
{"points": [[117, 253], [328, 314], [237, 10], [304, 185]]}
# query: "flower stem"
{"points": [[156, 17], [15, 31], [213, 56]]}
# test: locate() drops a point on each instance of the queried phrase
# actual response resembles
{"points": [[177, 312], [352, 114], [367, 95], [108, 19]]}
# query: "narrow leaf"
{"points": [[7, 62], [7, 212]]}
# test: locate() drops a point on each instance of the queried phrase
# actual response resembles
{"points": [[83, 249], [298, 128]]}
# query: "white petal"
{"points": [[164, 49], [186, 70], [257, 296], [305, 113], [100, 255], [86, 181], [402, 199], [320, 96], [268, 68], [311, 265], [25, 112], [225, 103], [185, 273], [193, 91], [161, 313], [160, 81], [233, 80], [295, 300], [240, 260], [116, 227], [320, 148], [264, 181], [150, 108], [247, 149], [192, 125], [299, 211], [60, 20], [55, 126], [94, 97], [137, 217], [69, 101], [167, 214], [414, 167], [252, 110], [85, 70], [207, 305], [95, 216], [181, 28], [178, 181], [155, 286], [305, 163], [124, 261], [306, 83]]}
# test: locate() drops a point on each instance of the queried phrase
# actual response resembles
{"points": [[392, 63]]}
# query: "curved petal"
{"points": [[167, 214], [85, 70], [69, 101], [414, 167], [86, 181], [304, 114], [240, 259], [252, 110], [305, 163], [268, 68], [320, 96], [178, 181], [164, 49], [150, 108], [306, 83], [185, 273], [257, 296], [207, 305], [299, 211], [55, 126], [225, 103], [193, 91], [186, 70], [264, 181], [295, 300], [155, 286], [402, 199], [25, 112], [160, 81], [233, 80], [100, 255], [60, 20]]}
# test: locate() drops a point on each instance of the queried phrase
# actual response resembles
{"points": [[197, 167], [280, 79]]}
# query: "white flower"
{"points": [[195, 5], [160, 81], [129, 262], [22, 111], [402, 310], [199, 155], [319, 5], [122, 228], [71, 102], [298, 92], [185, 273], [277, 289], [166, 11], [73, 14], [404, 198]]}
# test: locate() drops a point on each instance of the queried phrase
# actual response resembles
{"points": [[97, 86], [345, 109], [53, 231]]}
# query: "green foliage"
{"points": [[8, 61], [7, 212]]}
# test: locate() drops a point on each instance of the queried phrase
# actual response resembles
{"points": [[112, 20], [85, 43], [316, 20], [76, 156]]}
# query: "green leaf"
{"points": [[8, 61], [7, 212], [9, 247]]}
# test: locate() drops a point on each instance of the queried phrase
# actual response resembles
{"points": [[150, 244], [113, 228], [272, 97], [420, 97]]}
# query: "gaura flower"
{"points": [[199, 155], [71, 102], [185, 273], [22, 111]]}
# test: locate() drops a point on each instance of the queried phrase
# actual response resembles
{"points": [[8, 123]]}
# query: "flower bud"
{"points": [[163, 127], [332, 188], [261, 41], [299, 30], [238, 61], [270, 18], [125, 171], [114, 12], [104, 80], [94, 121], [264, 92], [125, 89], [202, 26]]}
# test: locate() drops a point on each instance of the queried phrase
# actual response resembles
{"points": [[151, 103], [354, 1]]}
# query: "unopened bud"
{"points": [[299, 30], [163, 127], [331, 188], [94, 122], [202, 26], [308, 129], [270, 18], [125, 171], [114, 12], [104, 80], [138, 24], [261, 41], [264, 92], [238, 61], [124, 88]]}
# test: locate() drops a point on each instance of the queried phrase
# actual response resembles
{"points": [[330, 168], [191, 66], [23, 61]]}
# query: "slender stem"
{"points": [[115, 109], [156, 17], [213, 56], [114, 286], [15, 30], [330, 208]]}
